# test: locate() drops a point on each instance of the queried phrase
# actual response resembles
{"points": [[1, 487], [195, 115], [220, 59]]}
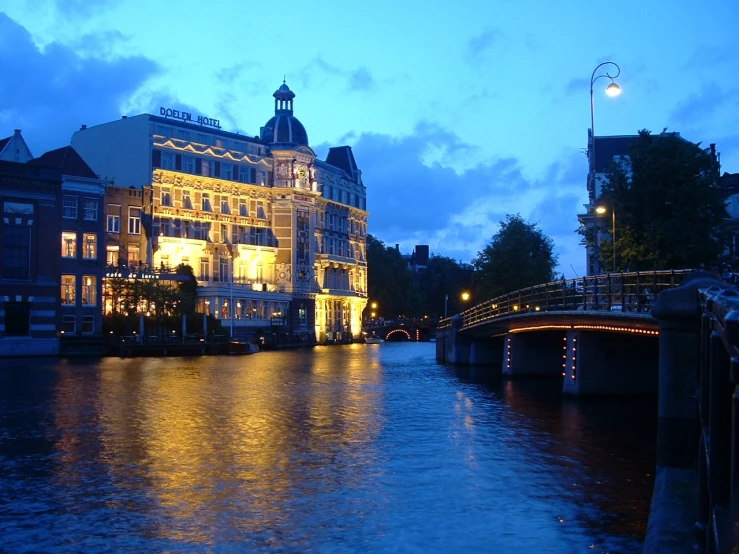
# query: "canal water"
{"points": [[361, 448]]}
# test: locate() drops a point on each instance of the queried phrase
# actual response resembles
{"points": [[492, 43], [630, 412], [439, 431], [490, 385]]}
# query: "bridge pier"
{"points": [[602, 362], [533, 354]]}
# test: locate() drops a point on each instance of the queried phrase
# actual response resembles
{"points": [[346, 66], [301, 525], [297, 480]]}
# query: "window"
{"points": [[182, 134], [17, 319], [260, 209], [17, 252], [69, 207], [90, 211], [227, 171], [114, 224], [204, 269], [164, 227], [206, 202], [89, 290], [243, 209], [69, 244], [223, 269], [111, 255], [244, 174], [88, 324], [134, 254], [134, 221], [202, 139], [188, 164], [166, 196], [167, 160], [186, 200], [89, 246], [69, 324], [164, 131], [69, 286], [224, 205], [206, 168]]}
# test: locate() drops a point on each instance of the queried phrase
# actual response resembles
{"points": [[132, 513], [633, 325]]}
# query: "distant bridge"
{"points": [[404, 329], [596, 331]]}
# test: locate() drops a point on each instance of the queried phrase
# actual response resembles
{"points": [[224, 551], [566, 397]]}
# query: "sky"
{"points": [[458, 113]]}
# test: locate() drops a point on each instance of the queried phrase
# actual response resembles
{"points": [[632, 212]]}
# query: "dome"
{"points": [[284, 126]]}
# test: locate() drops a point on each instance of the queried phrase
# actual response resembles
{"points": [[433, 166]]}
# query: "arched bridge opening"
{"points": [[398, 335]]}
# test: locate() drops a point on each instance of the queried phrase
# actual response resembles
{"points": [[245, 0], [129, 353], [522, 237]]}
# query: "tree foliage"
{"points": [[668, 206], [388, 279], [519, 255]]}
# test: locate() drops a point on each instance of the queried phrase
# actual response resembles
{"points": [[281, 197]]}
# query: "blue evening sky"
{"points": [[458, 112]]}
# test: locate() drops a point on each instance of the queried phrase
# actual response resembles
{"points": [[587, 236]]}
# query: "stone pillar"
{"points": [[678, 312]]}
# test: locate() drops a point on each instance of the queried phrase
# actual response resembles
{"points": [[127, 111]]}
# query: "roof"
{"points": [[67, 160], [4, 142], [285, 128], [609, 147], [343, 158]]}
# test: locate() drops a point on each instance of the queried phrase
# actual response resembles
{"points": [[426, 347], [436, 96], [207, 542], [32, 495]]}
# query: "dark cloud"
{"points": [[457, 211], [361, 79], [577, 86], [703, 104], [239, 73], [82, 9], [49, 94]]}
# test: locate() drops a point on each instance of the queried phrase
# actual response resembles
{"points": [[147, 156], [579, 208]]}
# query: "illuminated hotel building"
{"points": [[275, 236]]}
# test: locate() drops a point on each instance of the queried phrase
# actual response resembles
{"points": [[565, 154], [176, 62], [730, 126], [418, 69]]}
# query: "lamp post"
{"points": [[612, 90], [601, 210]]}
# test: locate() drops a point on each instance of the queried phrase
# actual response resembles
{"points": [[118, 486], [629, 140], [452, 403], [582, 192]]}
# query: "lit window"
{"points": [[134, 254], [114, 224], [69, 207], [134, 221], [111, 257], [89, 290], [166, 196], [69, 283], [89, 246], [69, 244], [90, 212]]}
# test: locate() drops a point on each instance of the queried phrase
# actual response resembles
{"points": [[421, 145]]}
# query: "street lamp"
{"points": [[611, 90], [601, 210], [465, 296]]}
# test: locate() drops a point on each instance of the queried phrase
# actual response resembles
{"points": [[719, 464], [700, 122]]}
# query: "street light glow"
{"points": [[613, 90], [601, 210], [465, 296]]}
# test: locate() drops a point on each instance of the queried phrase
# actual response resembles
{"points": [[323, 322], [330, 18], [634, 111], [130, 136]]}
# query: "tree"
{"points": [[668, 205], [519, 256], [389, 280], [442, 278]]}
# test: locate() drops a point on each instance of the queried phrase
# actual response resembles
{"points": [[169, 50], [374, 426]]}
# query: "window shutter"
{"points": [[156, 158]]}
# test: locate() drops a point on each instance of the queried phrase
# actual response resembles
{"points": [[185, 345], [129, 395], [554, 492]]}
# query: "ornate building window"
{"points": [[89, 290], [166, 197], [89, 246]]}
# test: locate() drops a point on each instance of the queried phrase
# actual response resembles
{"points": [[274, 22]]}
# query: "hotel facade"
{"points": [[275, 236]]}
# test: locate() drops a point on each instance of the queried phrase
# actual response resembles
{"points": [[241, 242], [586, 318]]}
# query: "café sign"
{"points": [[169, 113]]}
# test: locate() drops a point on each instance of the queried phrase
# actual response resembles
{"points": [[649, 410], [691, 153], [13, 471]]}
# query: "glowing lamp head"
{"points": [[613, 90], [601, 210], [465, 296]]}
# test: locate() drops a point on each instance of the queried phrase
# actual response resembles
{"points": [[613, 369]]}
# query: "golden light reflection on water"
{"points": [[235, 438]]}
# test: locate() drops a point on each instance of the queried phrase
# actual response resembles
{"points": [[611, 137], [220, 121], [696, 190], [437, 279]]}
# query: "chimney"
{"points": [[83, 127], [17, 132], [124, 117], [397, 247]]}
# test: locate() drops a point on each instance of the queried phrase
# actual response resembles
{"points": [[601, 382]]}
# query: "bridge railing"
{"points": [[718, 412], [623, 292]]}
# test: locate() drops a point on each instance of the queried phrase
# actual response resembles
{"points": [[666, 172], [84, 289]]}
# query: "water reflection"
{"points": [[338, 448]]}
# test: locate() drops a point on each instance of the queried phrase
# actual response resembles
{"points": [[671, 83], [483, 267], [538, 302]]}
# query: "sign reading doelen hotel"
{"points": [[169, 113]]}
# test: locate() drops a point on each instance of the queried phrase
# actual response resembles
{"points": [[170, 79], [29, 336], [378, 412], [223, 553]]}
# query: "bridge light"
{"points": [[515, 307]]}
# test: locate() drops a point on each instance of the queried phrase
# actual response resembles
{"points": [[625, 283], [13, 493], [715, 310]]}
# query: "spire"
{"points": [[284, 99]]}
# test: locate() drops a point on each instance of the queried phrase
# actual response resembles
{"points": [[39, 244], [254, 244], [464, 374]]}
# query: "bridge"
{"points": [[695, 318], [597, 332], [402, 329]]}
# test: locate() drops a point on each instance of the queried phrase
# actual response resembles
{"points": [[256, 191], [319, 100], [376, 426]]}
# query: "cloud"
{"points": [[318, 71], [703, 104], [478, 45], [82, 9], [49, 93], [414, 198]]}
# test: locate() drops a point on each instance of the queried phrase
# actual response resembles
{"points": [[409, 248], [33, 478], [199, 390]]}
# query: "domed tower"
{"points": [[284, 127]]}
